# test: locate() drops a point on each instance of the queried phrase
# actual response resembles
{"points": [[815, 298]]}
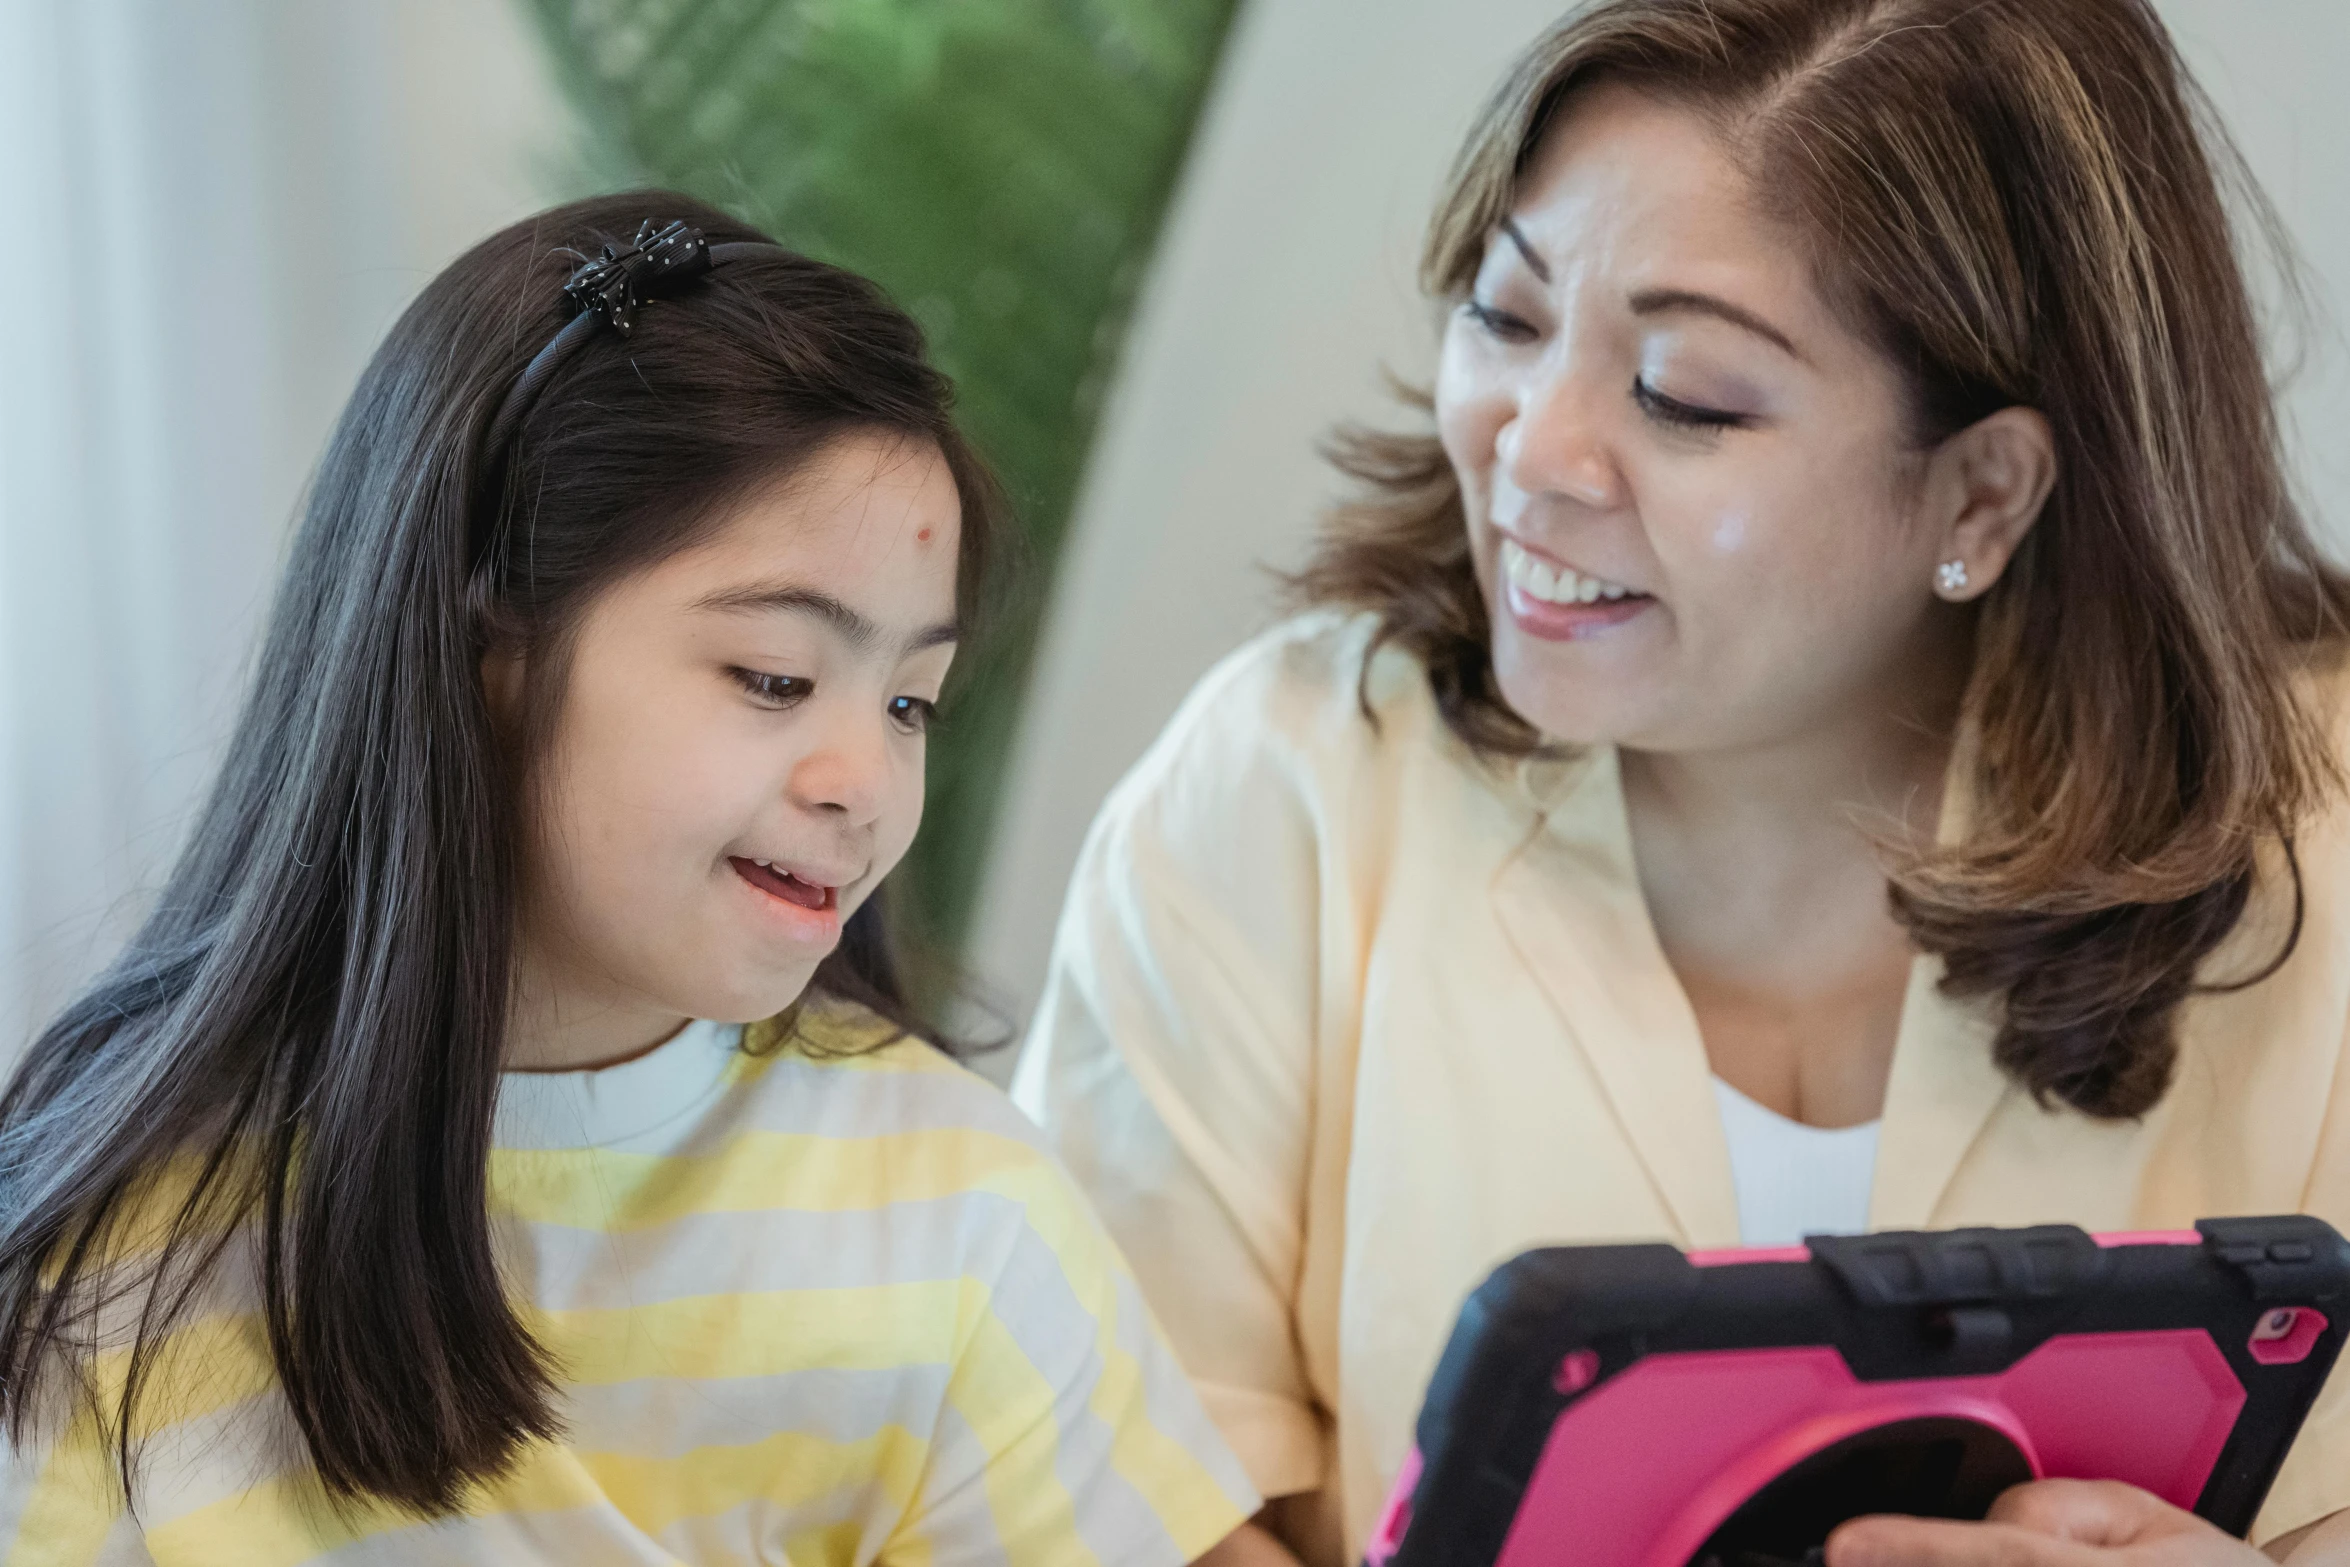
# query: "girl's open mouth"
{"points": [[777, 882]]}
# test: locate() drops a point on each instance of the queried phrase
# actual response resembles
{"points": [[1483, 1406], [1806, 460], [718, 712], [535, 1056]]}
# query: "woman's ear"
{"points": [[1985, 487]]}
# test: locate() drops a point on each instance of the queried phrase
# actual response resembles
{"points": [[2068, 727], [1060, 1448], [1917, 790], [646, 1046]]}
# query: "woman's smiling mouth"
{"points": [[1552, 584], [1559, 604]]}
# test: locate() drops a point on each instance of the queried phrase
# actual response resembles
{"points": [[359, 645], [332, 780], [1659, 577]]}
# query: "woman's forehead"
{"points": [[1637, 196], [1620, 169]]}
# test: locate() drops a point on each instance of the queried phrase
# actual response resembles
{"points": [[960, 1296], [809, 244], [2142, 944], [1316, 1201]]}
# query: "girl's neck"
{"points": [[579, 1053], [558, 1024]]}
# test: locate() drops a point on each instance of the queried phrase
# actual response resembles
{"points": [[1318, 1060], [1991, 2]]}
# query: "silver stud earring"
{"points": [[1950, 577]]}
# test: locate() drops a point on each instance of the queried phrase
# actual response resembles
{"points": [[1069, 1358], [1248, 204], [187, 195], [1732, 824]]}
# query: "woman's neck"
{"points": [[1763, 869], [1789, 813], [1775, 810]]}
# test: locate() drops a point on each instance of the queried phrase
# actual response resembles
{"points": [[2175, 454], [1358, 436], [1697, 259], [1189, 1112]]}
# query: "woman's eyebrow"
{"points": [[1517, 236], [1661, 301], [853, 626]]}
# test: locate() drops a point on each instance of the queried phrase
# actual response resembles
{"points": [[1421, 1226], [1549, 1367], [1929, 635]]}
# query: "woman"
{"points": [[1837, 728]]}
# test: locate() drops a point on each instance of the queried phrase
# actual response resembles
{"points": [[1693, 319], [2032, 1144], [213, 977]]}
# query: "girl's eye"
{"points": [[912, 714], [1499, 324], [1684, 416], [773, 690]]}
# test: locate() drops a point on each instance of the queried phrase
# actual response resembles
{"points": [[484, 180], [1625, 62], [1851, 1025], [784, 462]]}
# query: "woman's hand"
{"points": [[2052, 1523], [1248, 1546]]}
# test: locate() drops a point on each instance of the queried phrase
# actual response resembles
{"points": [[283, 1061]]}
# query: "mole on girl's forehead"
{"points": [[924, 536]]}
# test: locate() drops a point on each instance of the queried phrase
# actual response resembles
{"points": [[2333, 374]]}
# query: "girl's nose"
{"points": [[846, 775]]}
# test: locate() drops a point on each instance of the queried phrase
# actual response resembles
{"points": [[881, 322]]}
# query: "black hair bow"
{"points": [[609, 289], [661, 262]]}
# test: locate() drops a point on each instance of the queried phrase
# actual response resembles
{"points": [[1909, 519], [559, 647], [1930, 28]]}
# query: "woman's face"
{"points": [[738, 759], [1688, 486]]}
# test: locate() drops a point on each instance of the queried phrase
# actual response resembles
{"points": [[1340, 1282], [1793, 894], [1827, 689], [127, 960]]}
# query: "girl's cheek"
{"points": [[906, 809]]}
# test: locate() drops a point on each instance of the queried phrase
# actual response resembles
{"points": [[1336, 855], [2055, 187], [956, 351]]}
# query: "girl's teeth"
{"points": [[1539, 579]]}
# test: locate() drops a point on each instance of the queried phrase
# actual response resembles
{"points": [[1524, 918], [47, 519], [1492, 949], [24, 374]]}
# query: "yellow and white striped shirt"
{"points": [[808, 1308]]}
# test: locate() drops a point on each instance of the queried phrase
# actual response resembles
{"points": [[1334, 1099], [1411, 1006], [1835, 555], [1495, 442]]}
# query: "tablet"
{"points": [[1635, 1406]]}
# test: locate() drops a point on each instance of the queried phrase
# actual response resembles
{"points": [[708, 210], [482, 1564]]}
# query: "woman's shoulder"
{"points": [[1311, 670], [2301, 899], [2321, 688], [1313, 706], [2322, 684]]}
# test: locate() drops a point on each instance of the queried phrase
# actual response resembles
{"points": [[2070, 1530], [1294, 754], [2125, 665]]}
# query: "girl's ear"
{"points": [[503, 675], [1985, 487]]}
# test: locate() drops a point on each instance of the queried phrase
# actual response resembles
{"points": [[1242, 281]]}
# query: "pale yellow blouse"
{"points": [[1340, 1017]]}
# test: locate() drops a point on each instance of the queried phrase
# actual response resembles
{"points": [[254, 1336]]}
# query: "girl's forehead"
{"points": [[873, 524], [864, 503]]}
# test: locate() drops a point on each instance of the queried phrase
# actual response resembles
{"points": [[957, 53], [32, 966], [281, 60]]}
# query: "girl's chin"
{"points": [[755, 996]]}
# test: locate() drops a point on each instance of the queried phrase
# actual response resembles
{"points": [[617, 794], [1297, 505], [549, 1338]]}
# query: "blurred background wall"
{"points": [[220, 204], [214, 209]]}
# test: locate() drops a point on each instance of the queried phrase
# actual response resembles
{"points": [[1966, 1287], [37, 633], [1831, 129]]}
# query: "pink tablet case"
{"points": [[1635, 1407]]}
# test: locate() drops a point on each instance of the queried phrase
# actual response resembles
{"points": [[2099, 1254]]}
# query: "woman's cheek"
{"points": [[1467, 417]]}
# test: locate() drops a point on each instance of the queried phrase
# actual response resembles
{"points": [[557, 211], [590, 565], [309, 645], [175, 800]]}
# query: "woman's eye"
{"points": [[1499, 324], [1684, 416], [912, 714], [773, 690]]}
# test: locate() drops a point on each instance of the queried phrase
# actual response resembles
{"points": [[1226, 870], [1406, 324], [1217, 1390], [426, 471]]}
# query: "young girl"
{"points": [[505, 1142]]}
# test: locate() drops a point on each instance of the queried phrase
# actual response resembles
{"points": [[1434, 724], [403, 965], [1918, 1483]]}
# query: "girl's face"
{"points": [[1688, 486], [739, 756]]}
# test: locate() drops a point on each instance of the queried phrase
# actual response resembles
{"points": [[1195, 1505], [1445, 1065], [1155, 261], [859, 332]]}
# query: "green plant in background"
{"points": [[1000, 166]]}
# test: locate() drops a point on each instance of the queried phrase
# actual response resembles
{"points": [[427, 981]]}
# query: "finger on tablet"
{"points": [[1934, 1542], [2094, 1512]]}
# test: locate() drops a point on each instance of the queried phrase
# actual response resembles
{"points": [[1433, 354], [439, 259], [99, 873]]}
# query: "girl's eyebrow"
{"points": [[853, 626]]}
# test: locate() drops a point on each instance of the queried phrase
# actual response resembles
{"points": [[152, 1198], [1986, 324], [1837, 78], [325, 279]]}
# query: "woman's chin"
{"points": [[1579, 709]]}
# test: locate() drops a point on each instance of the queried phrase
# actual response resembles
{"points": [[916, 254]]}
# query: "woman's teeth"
{"points": [[1554, 584]]}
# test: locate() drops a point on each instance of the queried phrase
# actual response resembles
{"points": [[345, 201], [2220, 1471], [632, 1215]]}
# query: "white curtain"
{"points": [[213, 209]]}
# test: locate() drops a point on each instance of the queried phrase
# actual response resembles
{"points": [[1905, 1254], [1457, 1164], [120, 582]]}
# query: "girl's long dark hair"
{"points": [[306, 1033]]}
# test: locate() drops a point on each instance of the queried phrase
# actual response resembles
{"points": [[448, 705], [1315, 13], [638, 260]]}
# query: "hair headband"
{"points": [[659, 265]]}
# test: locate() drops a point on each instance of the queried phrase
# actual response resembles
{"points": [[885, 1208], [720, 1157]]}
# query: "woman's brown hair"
{"points": [[2020, 202]]}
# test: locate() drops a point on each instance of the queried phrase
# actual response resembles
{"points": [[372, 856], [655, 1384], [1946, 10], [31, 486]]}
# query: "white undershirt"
{"points": [[1795, 1180]]}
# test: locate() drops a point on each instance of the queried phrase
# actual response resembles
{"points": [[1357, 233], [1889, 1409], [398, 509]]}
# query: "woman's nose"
{"points": [[1554, 444]]}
